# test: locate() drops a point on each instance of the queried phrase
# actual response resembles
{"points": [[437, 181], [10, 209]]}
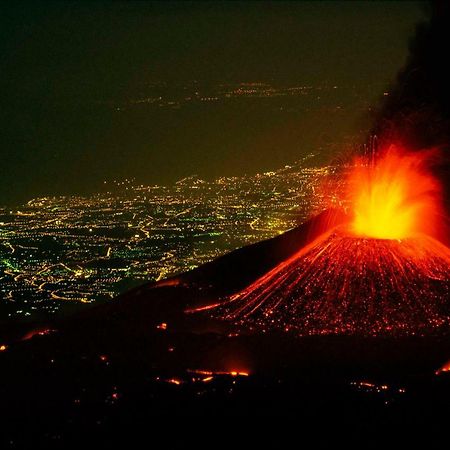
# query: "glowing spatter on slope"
{"points": [[380, 274], [342, 284], [395, 197]]}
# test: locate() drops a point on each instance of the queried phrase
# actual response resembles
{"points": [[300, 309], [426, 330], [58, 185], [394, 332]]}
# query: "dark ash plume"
{"points": [[417, 110]]}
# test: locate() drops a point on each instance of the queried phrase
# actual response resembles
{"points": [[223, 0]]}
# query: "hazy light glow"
{"points": [[396, 197]]}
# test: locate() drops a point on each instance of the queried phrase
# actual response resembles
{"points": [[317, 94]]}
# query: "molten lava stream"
{"points": [[384, 274]]}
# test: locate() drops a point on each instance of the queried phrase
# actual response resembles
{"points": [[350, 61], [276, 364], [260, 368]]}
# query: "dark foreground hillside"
{"points": [[141, 367]]}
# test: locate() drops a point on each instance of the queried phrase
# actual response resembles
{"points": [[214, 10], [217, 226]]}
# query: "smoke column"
{"points": [[417, 110]]}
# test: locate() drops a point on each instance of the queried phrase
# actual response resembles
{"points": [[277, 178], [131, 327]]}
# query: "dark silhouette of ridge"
{"points": [[140, 361], [222, 276], [242, 266]]}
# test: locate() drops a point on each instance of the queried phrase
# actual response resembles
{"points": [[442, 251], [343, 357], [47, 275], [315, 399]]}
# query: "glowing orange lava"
{"points": [[444, 369], [384, 272], [395, 198]]}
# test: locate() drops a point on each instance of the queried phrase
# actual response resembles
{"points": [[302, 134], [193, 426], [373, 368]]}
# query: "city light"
{"points": [[57, 251]]}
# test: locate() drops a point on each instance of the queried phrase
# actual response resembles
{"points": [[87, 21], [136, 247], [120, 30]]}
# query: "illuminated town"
{"points": [[56, 250], [291, 97], [230, 212]]}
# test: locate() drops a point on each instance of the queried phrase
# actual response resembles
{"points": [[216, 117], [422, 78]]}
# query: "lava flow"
{"points": [[383, 273]]}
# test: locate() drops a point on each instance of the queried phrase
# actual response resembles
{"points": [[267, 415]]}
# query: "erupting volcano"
{"points": [[384, 272]]}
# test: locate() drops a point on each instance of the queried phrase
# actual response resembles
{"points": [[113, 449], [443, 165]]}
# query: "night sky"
{"points": [[69, 71]]}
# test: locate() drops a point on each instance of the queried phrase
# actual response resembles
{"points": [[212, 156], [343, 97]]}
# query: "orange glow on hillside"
{"points": [[395, 198], [37, 332], [444, 368], [379, 270]]}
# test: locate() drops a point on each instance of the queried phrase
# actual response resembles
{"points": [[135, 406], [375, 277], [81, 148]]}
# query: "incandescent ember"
{"points": [[383, 273]]}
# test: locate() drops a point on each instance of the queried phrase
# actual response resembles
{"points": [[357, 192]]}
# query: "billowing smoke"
{"points": [[417, 110]]}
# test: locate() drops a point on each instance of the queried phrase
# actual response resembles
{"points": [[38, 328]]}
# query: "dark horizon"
{"points": [[74, 73]]}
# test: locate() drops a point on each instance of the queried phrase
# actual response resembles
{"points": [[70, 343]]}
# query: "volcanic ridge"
{"points": [[346, 284]]}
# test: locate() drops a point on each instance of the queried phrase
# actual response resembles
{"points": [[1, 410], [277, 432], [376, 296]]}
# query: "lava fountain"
{"points": [[395, 198], [383, 273]]}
